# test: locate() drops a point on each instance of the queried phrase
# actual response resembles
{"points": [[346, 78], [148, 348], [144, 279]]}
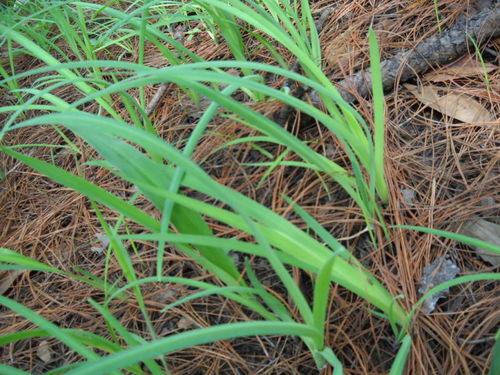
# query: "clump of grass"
{"points": [[130, 148]]}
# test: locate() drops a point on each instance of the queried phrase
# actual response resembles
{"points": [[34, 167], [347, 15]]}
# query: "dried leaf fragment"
{"points": [[464, 68], [165, 295], [439, 271], [103, 243], [486, 231], [44, 352], [459, 106], [185, 323], [7, 278], [408, 195]]}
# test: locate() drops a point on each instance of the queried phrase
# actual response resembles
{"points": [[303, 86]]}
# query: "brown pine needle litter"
{"points": [[440, 172]]}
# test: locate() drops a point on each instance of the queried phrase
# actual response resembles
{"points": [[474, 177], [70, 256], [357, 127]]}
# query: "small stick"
{"points": [[475, 341], [160, 93]]}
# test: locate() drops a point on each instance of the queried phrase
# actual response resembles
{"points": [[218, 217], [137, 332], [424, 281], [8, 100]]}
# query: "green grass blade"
{"points": [[399, 364], [8, 370], [220, 259], [88, 338], [13, 257], [333, 360], [90, 190], [495, 361], [271, 301], [321, 297], [129, 338], [49, 327], [190, 339], [46, 57], [223, 291], [455, 236], [379, 117]]}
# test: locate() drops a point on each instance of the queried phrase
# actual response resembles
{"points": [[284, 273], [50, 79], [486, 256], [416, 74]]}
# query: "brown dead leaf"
{"points": [[6, 280], [459, 106], [44, 352], [464, 68], [486, 231], [185, 323], [164, 295]]}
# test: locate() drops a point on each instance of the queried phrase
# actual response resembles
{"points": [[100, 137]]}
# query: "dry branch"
{"points": [[432, 52]]}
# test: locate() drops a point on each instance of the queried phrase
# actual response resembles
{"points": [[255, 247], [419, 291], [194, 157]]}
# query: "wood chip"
{"points": [[459, 106]]}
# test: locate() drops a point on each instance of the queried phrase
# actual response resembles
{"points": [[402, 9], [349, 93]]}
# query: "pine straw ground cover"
{"points": [[448, 168]]}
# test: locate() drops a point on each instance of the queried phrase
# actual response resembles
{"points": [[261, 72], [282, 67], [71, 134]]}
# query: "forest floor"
{"points": [[441, 173]]}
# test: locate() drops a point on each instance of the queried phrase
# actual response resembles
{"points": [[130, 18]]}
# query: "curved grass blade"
{"points": [[190, 339], [443, 286], [454, 236], [333, 360], [51, 328]]}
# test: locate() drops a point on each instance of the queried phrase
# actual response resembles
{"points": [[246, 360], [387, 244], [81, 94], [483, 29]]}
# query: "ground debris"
{"points": [[485, 231], [102, 243], [408, 195], [185, 323], [437, 50], [7, 278], [441, 270], [459, 106], [44, 352]]}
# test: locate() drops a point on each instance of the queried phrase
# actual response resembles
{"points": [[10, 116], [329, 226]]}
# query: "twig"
{"points": [[160, 93], [475, 341]]}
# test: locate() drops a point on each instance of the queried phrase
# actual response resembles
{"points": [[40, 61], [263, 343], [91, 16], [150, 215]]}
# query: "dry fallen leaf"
{"points": [[459, 106], [6, 280], [185, 323], [44, 352], [486, 231], [439, 271], [164, 295], [464, 68], [408, 195], [102, 243]]}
